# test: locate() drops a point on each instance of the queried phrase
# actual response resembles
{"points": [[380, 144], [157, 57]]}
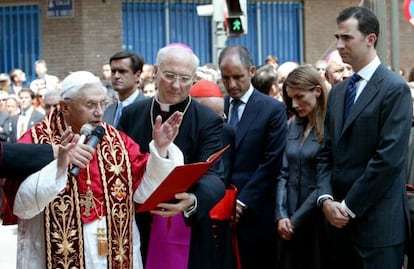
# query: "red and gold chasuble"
{"points": [[110, 174]]}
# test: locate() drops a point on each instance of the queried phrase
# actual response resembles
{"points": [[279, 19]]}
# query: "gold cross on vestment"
{"points": [[88, 203]]}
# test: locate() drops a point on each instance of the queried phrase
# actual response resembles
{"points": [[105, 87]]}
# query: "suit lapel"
{"points": [[250, 114], [369, 92]]}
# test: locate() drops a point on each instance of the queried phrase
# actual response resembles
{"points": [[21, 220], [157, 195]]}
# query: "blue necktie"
{"points": [[118, 114], [350, 94], [234, 119]]}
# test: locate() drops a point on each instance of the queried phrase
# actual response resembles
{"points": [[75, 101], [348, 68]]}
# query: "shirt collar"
{"points": [[245, 96], [130, 99], [368, 71]]}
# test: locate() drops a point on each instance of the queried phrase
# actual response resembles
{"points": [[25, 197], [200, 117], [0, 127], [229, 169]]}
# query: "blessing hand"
{"points": [[165, 133]]}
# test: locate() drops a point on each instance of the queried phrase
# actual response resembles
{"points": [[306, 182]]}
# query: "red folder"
{"points": [[180, 179]]}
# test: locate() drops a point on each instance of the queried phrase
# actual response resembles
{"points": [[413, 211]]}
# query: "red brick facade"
{"points": [[94, 34]]}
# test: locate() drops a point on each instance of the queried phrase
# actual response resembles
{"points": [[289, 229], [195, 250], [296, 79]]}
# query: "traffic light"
{"points": [[235, 25], [236, 20]]}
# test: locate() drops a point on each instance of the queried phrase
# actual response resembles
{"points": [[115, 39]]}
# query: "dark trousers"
{"points": [[345, 254]]}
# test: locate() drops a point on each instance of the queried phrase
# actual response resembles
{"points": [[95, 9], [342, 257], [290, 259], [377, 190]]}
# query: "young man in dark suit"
{"points": [[126, 69], [260, 137], [361, 169]]}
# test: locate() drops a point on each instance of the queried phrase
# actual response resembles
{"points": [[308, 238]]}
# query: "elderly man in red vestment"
{"points": [[87, 221]]}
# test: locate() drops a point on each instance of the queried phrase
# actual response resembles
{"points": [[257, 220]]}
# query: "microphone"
{"points": [[85, 131], [93, 141]]}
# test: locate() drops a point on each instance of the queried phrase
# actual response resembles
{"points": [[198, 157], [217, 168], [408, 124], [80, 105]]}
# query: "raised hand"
{"points": [[165, 133]]}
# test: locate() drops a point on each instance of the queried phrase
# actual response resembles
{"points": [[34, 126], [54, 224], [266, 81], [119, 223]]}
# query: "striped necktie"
{"points": [[350, 94]]}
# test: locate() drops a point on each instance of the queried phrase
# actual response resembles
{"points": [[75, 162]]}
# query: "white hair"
{"points": [[176, 49]]}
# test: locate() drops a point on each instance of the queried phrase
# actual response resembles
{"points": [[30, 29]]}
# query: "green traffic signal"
{"points": [[235, 25]]}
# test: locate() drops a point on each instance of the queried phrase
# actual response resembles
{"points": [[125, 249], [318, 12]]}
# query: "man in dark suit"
{"points": [[361, 169], [260, 124], [126, 69], [28, 116], [172, 244]]}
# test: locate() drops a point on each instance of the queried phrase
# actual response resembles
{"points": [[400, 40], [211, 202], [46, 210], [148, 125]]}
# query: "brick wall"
{"points": [[95, 33], [85, 41]]}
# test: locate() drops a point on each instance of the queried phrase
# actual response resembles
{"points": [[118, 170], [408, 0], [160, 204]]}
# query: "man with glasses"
{"points": [[76, 220], [180, 235]]}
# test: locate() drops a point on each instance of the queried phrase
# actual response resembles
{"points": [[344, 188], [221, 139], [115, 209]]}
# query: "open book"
{"points": [[180, 179]]}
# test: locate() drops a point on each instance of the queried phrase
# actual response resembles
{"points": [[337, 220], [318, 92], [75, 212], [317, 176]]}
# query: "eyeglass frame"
{"points": [[93, 106], [172, 77]]}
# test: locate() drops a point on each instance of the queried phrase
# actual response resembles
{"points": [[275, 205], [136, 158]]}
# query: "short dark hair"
{"points": [[137, 61], [243, 52], [367, 21], [264, 78]]}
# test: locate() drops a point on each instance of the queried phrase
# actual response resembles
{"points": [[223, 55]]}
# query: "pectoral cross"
{"points": [[88, 203]]}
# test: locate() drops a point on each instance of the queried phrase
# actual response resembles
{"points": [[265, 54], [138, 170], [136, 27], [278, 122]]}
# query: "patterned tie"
{"points": [[22, 126], [118, 114], [234, 119], [350, 94]]}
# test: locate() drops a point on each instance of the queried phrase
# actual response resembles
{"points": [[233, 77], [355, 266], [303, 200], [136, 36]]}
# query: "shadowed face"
{"points": [[235, 75]]}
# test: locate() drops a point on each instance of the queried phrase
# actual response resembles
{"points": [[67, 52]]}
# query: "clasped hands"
{"points": [[335, 213]]}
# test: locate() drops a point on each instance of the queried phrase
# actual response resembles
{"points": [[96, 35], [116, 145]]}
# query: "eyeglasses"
{"points": [[94, 106], [171, 77]]}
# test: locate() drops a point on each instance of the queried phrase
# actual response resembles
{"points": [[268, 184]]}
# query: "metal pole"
{"points": [[395, 36], [167, 22], [259, 35], [219, 34]]}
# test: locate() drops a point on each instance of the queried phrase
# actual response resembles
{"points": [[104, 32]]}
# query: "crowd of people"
{"points": [[314, 176]]}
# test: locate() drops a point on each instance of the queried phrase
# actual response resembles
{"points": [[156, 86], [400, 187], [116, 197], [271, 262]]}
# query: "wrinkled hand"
{"points": [[335, 214], [165, 133], [184, 201], [285, 229], [81, 155], [75, 154]]}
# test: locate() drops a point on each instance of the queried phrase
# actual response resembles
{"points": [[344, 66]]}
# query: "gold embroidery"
{"points": [[121, 216], [63, 222]]}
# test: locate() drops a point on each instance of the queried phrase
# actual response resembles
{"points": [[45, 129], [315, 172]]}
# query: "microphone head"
{"points": [[99, 132], [86, 129]]}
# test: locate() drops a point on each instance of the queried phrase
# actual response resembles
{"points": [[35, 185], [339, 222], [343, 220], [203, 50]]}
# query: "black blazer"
{"points": [[21, 160], [363, 159], [200, 135], [296, 192]]}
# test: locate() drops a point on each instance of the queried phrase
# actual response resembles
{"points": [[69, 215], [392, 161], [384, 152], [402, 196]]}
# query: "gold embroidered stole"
{"points": [[62, 217]]}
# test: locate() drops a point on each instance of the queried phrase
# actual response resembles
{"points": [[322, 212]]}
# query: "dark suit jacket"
{"points": [[363, 159], [35, 117], [109, 114], [198, 138], [20, 160], [260, 141], [296, 195]]}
